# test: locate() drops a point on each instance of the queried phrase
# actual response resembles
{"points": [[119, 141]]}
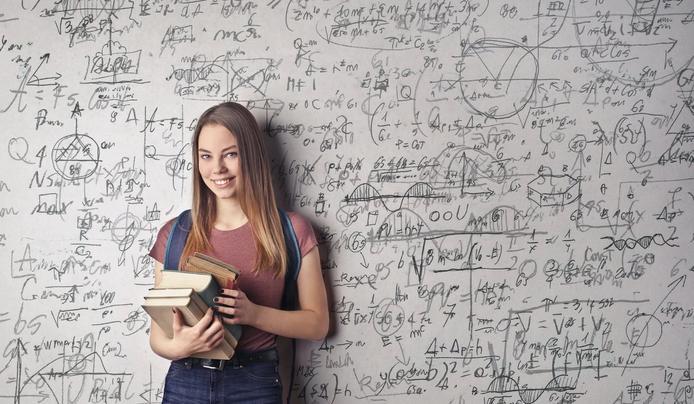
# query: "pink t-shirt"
{"points": [[236, 247]]}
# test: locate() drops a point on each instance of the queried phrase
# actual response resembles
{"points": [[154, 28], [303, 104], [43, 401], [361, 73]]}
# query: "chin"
{"points": [[227, 196], [222, 193]]}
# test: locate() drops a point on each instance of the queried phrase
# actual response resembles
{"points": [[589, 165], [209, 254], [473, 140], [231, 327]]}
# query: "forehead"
{"points": [[215, 136]]}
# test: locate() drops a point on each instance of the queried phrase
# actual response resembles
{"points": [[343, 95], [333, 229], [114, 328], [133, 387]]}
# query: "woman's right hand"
{"points": [[204, 336]]}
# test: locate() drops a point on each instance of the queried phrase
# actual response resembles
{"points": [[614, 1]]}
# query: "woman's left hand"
{"points": [[233, 302]]}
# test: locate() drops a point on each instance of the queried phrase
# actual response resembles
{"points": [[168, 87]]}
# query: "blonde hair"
{"points": [[256, 193]]}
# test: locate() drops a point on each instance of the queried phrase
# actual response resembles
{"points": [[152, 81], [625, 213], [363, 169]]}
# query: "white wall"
{"points": [[503, 192]]}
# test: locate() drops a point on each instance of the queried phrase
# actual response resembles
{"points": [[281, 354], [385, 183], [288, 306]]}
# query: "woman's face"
{"points": [[218, 161]]}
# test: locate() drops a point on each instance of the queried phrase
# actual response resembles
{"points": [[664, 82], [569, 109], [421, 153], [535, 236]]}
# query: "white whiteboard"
{"points": [[503, 191]]}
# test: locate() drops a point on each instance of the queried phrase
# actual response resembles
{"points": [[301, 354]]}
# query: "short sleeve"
{"points": [[304, 232], [159, 247]]}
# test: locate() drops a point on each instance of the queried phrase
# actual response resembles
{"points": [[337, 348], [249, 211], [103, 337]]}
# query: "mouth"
{"points": [[222, 182]]}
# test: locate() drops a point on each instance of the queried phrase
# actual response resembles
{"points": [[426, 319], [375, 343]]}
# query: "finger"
{"points": [[225, 301], [177, 319], [222, 309], [231, 284], [228, 311], [216, 340], [230, 292], [205, 321], [231, 320], [215, 327], [212, 334]]}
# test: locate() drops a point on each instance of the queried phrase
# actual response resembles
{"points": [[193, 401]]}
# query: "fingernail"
{"points": [[173, 309], [216, 299], [220, 291]]}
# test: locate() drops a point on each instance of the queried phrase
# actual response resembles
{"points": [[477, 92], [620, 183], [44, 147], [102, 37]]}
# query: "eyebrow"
{"points": [[223, 150]]}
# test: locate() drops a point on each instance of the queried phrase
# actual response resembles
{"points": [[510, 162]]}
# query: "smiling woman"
{"points": [[235, 219]]}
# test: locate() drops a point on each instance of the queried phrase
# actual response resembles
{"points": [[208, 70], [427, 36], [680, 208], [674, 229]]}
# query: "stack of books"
{"points": [[191, 291]]}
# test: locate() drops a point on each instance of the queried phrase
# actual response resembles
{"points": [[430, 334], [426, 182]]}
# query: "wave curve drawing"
{"points": [[367, 193], [505, 384]]}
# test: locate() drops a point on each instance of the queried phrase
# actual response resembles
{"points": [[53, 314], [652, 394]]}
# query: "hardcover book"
{"points": [[223, 273], [159, 304]]}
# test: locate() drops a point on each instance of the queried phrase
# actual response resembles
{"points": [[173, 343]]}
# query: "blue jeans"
{"points": [[254, 383]]}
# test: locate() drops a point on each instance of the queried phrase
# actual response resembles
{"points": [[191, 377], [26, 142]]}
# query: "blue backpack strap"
{"points": [[290, 296], [177, 240]]}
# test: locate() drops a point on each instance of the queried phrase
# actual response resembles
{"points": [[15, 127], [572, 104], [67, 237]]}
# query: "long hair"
{"points": [[255, 193]]}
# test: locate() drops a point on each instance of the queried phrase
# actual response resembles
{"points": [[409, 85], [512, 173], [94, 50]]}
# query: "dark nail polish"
{"points": [[216, 299], [220, 291]]}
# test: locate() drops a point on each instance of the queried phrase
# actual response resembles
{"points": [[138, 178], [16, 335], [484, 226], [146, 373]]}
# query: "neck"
{"points": [[229, 215]]}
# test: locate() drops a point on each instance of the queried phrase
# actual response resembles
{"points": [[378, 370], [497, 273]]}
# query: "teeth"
{"points": [[221, 182]]}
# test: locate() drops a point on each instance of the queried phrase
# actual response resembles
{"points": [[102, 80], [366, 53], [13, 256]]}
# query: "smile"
{"points": [[223, 181]]}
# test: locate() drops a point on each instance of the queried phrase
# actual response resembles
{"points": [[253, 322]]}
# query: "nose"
{"points": [[219, 166]]}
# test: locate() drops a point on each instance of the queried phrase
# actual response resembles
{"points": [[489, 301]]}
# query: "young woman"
{"points": [[235, 219]]}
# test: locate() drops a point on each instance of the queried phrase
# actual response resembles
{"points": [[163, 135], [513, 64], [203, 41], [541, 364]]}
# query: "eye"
{"points": [[204, 156], [232, 154]]}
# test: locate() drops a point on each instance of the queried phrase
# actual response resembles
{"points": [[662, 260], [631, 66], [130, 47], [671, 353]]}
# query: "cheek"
{"points": [[203, 169]]}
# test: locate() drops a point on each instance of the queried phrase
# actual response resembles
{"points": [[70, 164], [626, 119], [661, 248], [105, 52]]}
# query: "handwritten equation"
{"points": [[503, 191]]}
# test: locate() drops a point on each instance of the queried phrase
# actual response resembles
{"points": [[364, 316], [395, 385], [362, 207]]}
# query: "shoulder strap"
{"points": [[290, 296], [177, 240]]}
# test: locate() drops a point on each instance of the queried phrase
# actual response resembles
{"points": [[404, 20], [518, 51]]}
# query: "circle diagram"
{"points": [[498, 77], [75, 156]]}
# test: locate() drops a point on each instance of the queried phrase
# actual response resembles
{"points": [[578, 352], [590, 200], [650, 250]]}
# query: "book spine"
{"points": [[218, 263], [211, 267]]}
